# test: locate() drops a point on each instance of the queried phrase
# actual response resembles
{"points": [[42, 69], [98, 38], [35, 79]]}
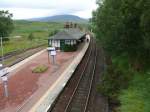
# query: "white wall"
{"points": [[54, 43]]}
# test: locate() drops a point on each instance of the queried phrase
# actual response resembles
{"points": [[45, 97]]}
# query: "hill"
{"points": [[60, 18]]}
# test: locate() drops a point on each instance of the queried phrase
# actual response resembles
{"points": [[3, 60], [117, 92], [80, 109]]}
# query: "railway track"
{"points": [[16, 52], [17, 56], [98, 102], [75, 96]]}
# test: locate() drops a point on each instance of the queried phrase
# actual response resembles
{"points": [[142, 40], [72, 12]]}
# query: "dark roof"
{"points": [[73, 34]]}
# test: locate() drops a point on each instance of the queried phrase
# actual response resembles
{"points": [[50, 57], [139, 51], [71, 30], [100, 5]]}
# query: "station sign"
{"points": [[53, 53], [1, 65], [51, 49]]}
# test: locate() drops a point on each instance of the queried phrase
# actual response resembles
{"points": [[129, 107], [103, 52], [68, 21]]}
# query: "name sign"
{"points": [[53, 53]]}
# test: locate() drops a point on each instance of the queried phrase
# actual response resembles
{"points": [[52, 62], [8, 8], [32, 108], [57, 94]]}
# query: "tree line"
{"points": [[6, 23], [123, 28]]}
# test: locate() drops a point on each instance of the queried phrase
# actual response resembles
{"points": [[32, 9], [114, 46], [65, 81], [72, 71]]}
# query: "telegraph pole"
{"points": [[2, 52]]}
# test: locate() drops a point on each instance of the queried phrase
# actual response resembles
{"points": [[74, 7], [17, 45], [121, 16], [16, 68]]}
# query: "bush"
{"points": [[113, 81], [31, 36], [53, 33], [40, 69], [136, 98], [69, 48], [6, 39]]}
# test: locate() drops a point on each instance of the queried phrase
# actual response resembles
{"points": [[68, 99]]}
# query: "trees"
{"points": [[53, 32], [123, 28], [6, 23], [31, 36]]}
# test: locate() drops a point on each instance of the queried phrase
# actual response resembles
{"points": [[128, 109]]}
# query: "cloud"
{"points": [[47, 7], [46, 4]]}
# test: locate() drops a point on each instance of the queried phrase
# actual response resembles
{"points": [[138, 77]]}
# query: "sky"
{"points": [[24, 9]]}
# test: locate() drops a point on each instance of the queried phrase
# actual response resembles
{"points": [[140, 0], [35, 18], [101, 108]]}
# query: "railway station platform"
{"points": [[30, 92], [49, 97]]}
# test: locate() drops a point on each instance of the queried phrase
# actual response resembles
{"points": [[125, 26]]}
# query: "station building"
{"points": [[67, 39]]}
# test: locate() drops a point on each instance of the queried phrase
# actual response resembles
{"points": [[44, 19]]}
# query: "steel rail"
{"points": [[91, 83], [82, 74], [86, 59]]}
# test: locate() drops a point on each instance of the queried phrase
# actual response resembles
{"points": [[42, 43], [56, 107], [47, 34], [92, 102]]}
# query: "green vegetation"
{"points": [[40, 69], [112, 84], [123, 28], [53, 33], [69, 48], [136, 98], [31, 36], [19, 38], [40, 29], [6, 23], [21, 44]]}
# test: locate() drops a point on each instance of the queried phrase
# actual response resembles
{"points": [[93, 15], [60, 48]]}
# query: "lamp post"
{"points": [[5, 84], [2, 58]]}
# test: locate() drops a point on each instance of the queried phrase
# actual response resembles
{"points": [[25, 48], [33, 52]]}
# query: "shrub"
{"points": [[136, 98], [6, 39], [69, 48], [40, 69], [31, 36], [53, 33], [114, 80]]}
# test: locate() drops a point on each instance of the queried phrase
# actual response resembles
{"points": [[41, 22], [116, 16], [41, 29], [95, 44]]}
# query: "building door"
{"points": [[62, 44]]}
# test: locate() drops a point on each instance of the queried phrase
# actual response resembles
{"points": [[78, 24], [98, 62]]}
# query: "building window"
{"points": [[72, 42], [67, 42], [58, 43], [50, 42]]}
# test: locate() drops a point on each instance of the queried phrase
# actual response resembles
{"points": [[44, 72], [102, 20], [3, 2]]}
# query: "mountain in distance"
{"points": [[60, 18]]}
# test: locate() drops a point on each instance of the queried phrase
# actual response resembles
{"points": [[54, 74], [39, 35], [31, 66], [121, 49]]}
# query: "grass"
{"points": [[21, 44], [136, 98], [26, 27], [23, 55], [19, 37], [40, 69]]}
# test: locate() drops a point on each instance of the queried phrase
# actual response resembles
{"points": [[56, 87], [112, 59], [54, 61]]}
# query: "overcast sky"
{"points": [[23, 9]]}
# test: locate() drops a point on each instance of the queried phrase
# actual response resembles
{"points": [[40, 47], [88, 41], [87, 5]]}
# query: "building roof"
{"points": [[68, 34]]}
